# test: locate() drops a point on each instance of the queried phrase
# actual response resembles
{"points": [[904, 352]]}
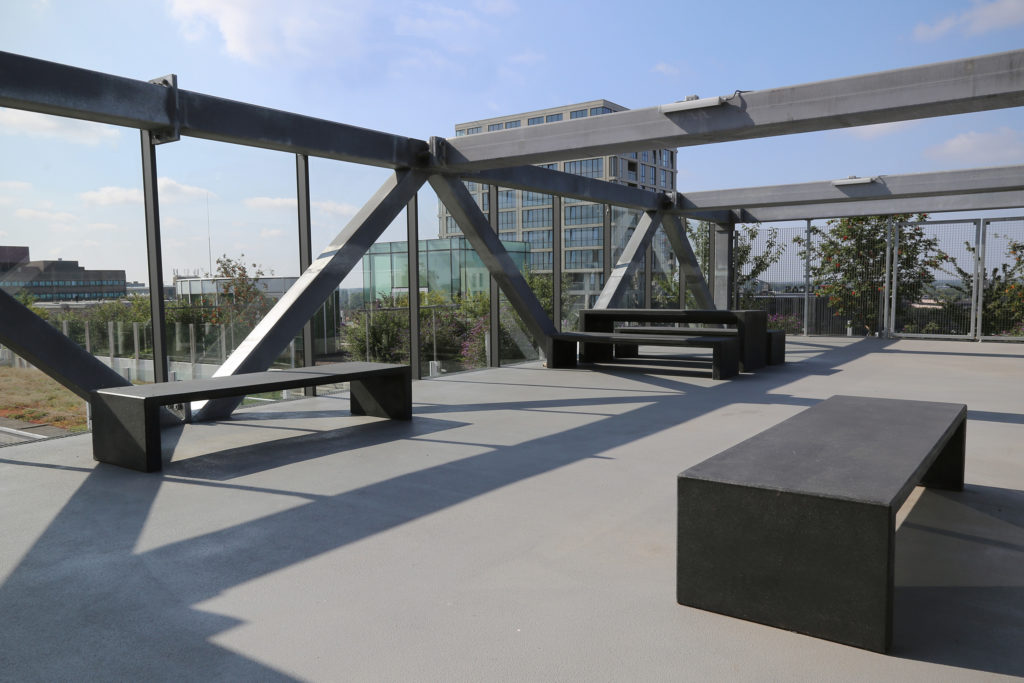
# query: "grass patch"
{"points": [[28, 395]]}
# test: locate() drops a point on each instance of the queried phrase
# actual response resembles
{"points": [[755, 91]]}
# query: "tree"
{"points": [[748, 265], [242, 296], [1002, 293], [848, 264]]}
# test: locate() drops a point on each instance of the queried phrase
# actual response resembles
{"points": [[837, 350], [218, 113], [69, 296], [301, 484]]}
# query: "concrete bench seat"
{"points": [[775, 349], [596, 347], [126, 420], [795, 527]]}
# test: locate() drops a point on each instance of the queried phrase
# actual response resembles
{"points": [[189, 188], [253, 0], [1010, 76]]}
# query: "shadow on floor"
{"points": [[960, 580]]}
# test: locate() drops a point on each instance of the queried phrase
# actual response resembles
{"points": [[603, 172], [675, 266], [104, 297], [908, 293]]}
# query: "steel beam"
{"points": [[45, 347], [549, 181], [983, 83], [998, 179], [690, 275], [279, 326], [879, 207], [50, 88], [629, 260], [484, 240], [412, 241]]}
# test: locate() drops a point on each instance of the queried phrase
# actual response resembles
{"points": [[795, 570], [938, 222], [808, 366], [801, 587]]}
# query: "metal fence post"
{"points": [[807, 279], [981, 278]]}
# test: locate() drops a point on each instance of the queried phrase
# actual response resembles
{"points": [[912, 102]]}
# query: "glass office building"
{"points": [[529, 216], [448, 266]]}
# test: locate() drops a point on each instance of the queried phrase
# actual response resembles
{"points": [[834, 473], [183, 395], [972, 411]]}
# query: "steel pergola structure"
{"points": [[163, 112]]}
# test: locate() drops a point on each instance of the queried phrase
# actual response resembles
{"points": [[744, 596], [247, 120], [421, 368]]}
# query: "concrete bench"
{"points": [[126, 420], [750, 325], [597, 347], [775, 348], [795, 527]]}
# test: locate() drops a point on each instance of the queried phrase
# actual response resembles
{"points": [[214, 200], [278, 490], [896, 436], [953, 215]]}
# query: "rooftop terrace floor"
{"points": [[521, 527]]}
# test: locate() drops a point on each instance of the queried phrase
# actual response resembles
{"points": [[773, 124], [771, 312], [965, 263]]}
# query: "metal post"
{"points": [[88, 341], [557, 261], [895, 277], [154, 258], [366, 319], [648, 273], [223, 342], [135, 338], [305, 256], [412, 225], [982, 274], [110, 339], [888, 280], [64, 327], [807, 279], [724, 280], [494, 352], [607, 269], [192, 348]]}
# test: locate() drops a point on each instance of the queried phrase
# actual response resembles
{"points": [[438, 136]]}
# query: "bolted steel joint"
{"points": [[173, 133]]}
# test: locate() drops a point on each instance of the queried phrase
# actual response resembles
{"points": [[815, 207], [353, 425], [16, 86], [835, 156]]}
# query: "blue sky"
{"points": [[73, 190]]}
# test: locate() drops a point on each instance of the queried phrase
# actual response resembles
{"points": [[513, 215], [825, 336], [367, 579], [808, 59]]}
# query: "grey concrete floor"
{"points": [[520, 528]]}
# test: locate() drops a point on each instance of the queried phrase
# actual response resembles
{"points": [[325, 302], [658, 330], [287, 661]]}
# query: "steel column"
{"points": [[494, 355], [305, 253], [557, 261], [724, 281], [279, 326], [807, 279], [154, 259], [628, 261], [412, 240]]}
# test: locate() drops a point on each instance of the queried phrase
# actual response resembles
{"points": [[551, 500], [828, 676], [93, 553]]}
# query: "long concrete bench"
{"points": [[126, 420], [597, 347], [775, 348], [750, 325], [795, 527]]}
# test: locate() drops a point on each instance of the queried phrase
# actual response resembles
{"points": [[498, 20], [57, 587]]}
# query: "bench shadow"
{"points": [[230, 463], [959, 594]]}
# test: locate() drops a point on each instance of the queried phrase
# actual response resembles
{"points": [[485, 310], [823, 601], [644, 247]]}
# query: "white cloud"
{"points": [[110, 196], [15, 185], [878, 130], [18, 122], [435, 20], [268, 233], [981, 18], [51, 216], [336, 208], [665, 69], [1001, 146], [4, 234], [256, 30], [528, 58], [500, 7], [271, 203], [171, 190]]}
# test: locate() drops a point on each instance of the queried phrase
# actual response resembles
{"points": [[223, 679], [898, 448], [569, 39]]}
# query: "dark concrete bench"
{"points": [[126, 420], [775, 348], [597, 347], [750, 325], [795, 527]]}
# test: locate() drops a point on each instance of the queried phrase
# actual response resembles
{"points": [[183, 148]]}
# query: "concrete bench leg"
{"points": [[126, 432], [627, 350], [814, 565], [725, 361], [947, 472], [776, 352], [561, 354], [383, 396]]}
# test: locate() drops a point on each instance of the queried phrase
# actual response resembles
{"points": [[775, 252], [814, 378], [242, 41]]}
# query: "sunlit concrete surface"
{"points": [[520, 528]]}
